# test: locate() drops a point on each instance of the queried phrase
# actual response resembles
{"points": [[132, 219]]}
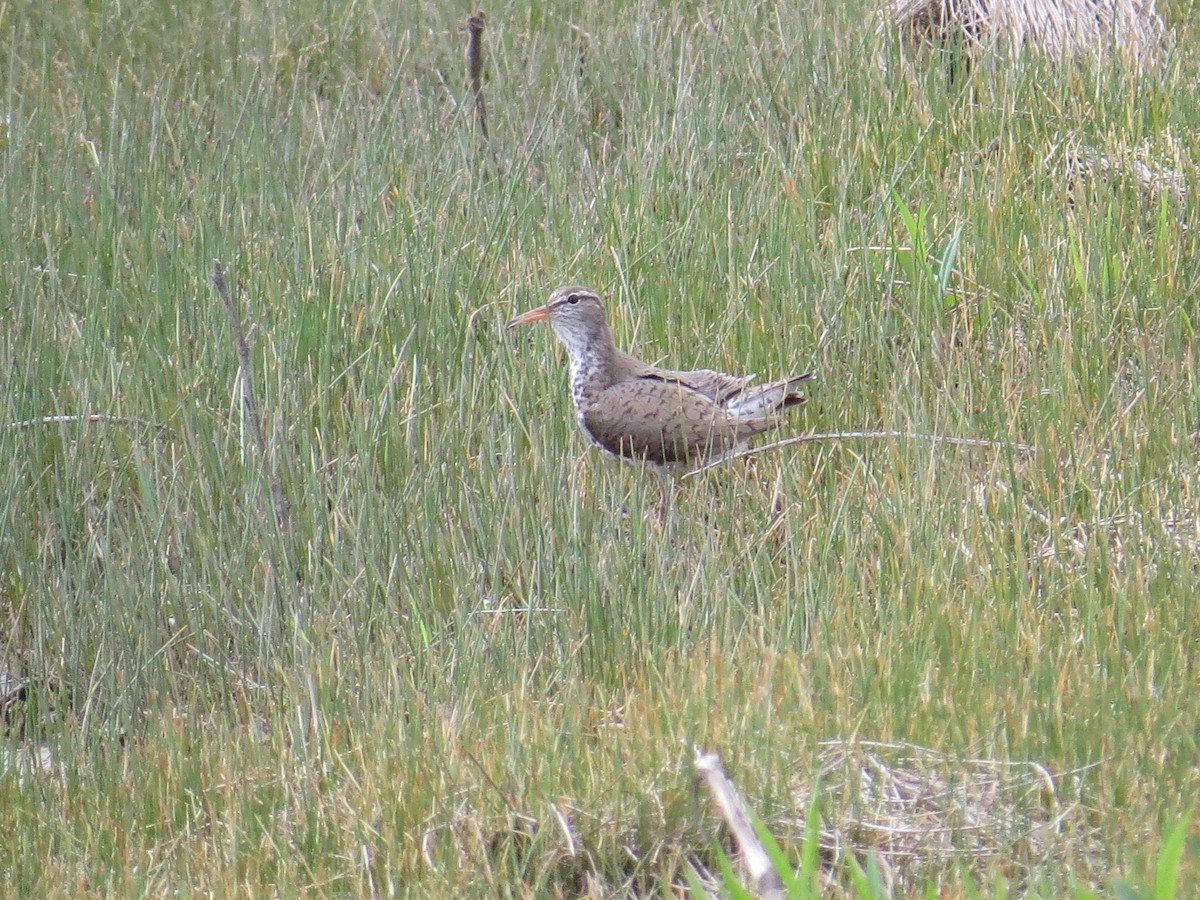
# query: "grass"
{"points": [[481, 661]]}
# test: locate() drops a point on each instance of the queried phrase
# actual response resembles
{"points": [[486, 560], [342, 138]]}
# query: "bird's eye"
{"points": [[573, 299]]}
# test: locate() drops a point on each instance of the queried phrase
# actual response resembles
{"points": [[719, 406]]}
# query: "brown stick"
{"points": [[766, 881], [475, 67], [283, 506]]}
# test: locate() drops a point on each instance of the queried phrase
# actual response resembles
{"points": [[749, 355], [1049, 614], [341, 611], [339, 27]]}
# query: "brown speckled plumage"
{"points": [[638, 411]]}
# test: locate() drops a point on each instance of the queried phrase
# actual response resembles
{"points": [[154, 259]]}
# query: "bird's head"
{"points": [[575, 313]]}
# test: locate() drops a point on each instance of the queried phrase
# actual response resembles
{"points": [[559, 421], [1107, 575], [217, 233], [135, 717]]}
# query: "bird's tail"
{"points": [[764, 400]]}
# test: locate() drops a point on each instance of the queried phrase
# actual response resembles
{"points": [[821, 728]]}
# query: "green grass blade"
{"points": [[1170, 857]]}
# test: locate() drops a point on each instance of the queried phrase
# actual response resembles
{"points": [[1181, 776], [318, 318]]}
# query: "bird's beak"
{"points": [[534, 315]]}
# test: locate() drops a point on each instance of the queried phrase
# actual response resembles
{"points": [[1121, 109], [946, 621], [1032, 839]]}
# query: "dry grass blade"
{"points": [[283, 506], [913, 807]]}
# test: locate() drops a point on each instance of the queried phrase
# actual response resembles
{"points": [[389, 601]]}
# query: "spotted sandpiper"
{"points": [[638, 411]]}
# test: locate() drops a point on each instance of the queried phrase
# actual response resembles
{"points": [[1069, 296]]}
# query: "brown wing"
{"points": [[663, 422], [716, 386]]}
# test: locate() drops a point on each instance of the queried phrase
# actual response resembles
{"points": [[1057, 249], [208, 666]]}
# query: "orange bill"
{"points": [[533, 315]]}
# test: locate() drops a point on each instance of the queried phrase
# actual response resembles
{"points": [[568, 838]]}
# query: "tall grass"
{"points": [[480, 661]]}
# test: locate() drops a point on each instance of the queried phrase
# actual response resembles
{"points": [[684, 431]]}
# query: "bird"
{"points": [[636, 411]]}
